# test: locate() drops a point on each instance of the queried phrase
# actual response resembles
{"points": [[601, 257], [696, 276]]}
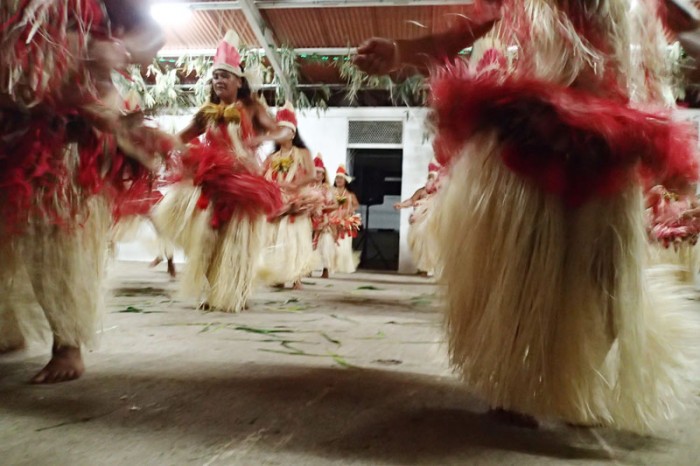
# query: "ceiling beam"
{"points": [[280, 4], [209, 52], [266, 38]]}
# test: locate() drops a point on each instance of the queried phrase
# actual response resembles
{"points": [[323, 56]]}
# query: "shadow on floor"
{"points": [[381, 416]]}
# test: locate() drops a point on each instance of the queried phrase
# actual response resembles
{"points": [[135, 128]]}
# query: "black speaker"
{"points": [[370, 186]]}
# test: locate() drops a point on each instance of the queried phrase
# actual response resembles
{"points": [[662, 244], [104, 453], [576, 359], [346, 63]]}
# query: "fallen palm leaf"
{"points": [[388, 362], [136, 310], [262, 331], [332, 340], [344, 318], [368, 287], [341, 361]]}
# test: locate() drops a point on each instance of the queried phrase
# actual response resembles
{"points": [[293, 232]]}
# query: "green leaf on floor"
{"points": [[214, 326], [308, 283], [378, 336], [296, 308], [329, 286], [388, 362], [131, 310], [261, 331], [136, 310], [344, 318], [341, 361], [331, 340], [291, 300], [368, 287], [288, 353]]}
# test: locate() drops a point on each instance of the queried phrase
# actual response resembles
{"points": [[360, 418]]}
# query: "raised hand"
{"points": [[377, 56]]}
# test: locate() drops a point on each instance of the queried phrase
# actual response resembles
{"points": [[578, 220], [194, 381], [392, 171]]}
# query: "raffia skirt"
{"points": [[221, 263], [289, 254], [54, 275], [421, 237], [553, 311]]}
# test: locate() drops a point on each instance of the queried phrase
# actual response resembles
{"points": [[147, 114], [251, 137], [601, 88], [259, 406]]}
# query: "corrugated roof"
{"points": [[313, 27]]}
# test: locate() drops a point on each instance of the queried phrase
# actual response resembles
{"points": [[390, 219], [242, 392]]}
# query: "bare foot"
{"points": [[204, 306], [297, 285], [66, 364], [155, 262], [514, 419], [279, 286], [325, 274], [171, 268]]}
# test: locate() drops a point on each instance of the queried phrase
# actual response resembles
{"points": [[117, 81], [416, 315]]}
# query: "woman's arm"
{"points": [[355, 204], [307, 164], [192, 131], [380, 56], [410, 202], [274, 132]]}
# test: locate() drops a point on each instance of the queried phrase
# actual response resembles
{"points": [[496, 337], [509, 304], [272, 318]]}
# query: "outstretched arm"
{"points": [[193, 130], [274, 132], [382, 56], [410, 202]]}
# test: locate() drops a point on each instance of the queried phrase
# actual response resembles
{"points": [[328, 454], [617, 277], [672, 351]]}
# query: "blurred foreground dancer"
{"points": [[62, 163], [552, 132]]}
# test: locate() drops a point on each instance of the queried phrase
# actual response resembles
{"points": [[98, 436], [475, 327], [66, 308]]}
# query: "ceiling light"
{"points": [[171, 14]]}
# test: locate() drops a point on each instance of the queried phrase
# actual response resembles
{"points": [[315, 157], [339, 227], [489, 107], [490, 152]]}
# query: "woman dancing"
{"points": [[217, 211], [552, 133]]}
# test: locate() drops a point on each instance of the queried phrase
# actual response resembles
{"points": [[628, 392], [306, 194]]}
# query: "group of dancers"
{"points": [[242, 221], [548, 137]]}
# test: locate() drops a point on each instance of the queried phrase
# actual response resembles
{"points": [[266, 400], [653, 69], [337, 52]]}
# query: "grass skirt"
{"points": [[221, 263], [57, 270], [684, 256], [551, 312], [421, 238], [346, 259], [289, 254], [326, 251]]}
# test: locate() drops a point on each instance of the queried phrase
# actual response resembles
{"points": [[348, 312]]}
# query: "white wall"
{"points": [[327, 133]]}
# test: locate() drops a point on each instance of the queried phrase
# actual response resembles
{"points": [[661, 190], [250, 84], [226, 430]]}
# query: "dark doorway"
{"points": [[377, 185]]}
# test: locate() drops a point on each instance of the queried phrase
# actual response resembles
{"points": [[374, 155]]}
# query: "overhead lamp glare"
{"points": [[171, 14]]}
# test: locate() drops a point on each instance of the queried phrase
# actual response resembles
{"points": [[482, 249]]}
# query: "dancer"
{"points": [[62, 164], [347, 223], [217, 211], [550, 311], [673, 227], [289, 254], [324, 235], [421, 240]]}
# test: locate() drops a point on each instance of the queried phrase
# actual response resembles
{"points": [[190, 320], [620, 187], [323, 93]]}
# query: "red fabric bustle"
{"points": [[229, 184], [568, 142]]}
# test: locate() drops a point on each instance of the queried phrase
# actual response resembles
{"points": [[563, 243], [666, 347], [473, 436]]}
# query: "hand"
{"points": [[107, 55], [256, 141], [397, 206], [377, 56]]}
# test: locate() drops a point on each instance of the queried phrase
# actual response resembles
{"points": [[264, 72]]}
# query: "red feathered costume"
{"points": [[217, 208], [61, 173], [552, 134]]}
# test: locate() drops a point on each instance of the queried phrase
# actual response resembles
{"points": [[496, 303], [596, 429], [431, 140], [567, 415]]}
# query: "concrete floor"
{"points": [[350, 371]]}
